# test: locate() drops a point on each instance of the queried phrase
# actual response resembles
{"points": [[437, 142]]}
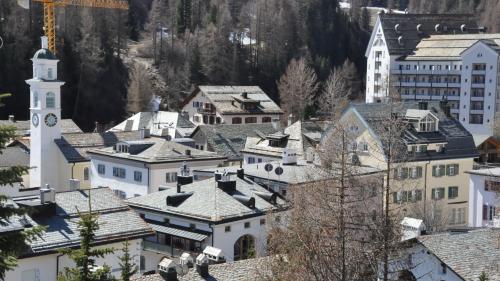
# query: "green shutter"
{"points": [[456, 169], [433, 195], [434, 172], [448, 170], [419, 172]]}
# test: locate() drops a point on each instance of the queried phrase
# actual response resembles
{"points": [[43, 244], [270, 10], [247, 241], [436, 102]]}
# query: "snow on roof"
{"points": [[412, 222]]}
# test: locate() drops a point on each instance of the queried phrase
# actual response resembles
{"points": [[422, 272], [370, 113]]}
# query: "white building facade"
{"points": [[484, 197]]}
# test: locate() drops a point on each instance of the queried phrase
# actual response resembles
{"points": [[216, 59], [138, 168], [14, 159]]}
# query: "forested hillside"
{"points": [[228, 42]]}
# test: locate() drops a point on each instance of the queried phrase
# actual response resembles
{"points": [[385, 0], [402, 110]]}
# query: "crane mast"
{"points": [[49, 19]]}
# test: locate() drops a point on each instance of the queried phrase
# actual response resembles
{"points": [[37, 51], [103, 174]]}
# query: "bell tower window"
{"points": [[49, 73], [50, 100], [35, 99]]}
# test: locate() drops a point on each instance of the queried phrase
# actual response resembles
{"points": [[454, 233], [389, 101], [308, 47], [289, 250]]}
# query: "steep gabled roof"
{"points": [[23, 126], [226, 99]]}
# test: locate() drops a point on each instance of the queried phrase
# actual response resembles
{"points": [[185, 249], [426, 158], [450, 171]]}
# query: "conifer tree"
{"points": [[84, 257], [127, 265], [11, 244]]}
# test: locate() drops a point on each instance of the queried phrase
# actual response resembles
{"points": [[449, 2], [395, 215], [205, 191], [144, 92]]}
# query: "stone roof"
{"points": [[460, 143], [14, 156], [23, 126], [157, 122], [75, 146], [301, 136], [487, 172], [450, 47], [468, 253], [229, 140], [407, 28], [208, 202], [244, 270], [224, 98], [116, 221], [301, 172], [159, 150]]}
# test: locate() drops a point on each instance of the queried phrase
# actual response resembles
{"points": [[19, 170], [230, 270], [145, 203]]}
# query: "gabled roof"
{"points": [[468, 253], [407, 28], [23, 126], [223, 98], [228, 140], [116, 221], [301, 135], [75, 146], [208, 202], [14, 156], [159, 150], [459, 142], [158, 122]]}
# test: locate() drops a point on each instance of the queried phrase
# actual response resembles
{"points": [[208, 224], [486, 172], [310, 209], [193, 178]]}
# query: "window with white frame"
{"points": [[101, 169], [171, 177], [119, 172], [438, 193], [251, 160], [50, 100], [438, 170], [428, 124], [138, 176], [120, 193]]}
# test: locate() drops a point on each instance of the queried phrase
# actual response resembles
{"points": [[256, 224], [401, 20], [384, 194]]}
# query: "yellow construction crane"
{"points": [[49, 19]]}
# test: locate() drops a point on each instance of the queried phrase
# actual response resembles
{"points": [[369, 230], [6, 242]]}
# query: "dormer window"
{"points": [[427, 124], [122, 148], [422, 120]]}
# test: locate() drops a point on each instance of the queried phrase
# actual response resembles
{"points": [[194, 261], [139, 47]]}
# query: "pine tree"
{"points": [[483, 277], [128, 267], [84, 257], [11, 245]]}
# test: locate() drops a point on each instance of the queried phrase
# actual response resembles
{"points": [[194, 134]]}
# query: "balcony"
{"points": [[167, 250], [479, 72], [473, 98], [206, 110]]}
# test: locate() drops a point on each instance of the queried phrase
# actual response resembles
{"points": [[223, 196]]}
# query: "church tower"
{"points": [[45, 111]]}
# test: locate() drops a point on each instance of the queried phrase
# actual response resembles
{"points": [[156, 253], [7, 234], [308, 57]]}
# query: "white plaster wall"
{"points": [[263, 159], [479, 53], [477, 198], [225, 240], [127, 184], [46, 265]]}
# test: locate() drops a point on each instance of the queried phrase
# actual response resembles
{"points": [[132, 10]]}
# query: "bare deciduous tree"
{"points": [[297, 87]]}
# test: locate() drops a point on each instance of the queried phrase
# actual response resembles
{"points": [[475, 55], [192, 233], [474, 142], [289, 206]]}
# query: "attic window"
{"points": [[427, 124], [122, 148]]}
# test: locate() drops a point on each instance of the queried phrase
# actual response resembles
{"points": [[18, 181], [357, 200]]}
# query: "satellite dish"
{"points": [[268, 167], [278, 171]]}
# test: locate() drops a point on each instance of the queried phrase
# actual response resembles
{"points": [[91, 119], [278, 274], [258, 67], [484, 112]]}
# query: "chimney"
{"points": [[144, 133], [179, 187], [47, 195], [275, 123], [244, 95], [202, 265], [184, 177], [226, 184], [240, 173], [218, 176], [166, 269], [422, 105], [12, 119], [290, 119], [188, 152], [74, 184]]}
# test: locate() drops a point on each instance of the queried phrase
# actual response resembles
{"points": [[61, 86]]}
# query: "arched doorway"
{"points": [[244, 247]]}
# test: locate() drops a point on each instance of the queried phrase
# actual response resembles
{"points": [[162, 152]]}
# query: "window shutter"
{"points": [[394, 197], [433, 195], [442, 169], [456, 169], [404, 172], [485, 212], [419, 172], [434, 172], [448, 167]]}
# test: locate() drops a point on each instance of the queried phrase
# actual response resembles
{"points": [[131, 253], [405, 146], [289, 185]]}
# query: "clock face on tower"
{"points": [[50, 120], [35, 120]]}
